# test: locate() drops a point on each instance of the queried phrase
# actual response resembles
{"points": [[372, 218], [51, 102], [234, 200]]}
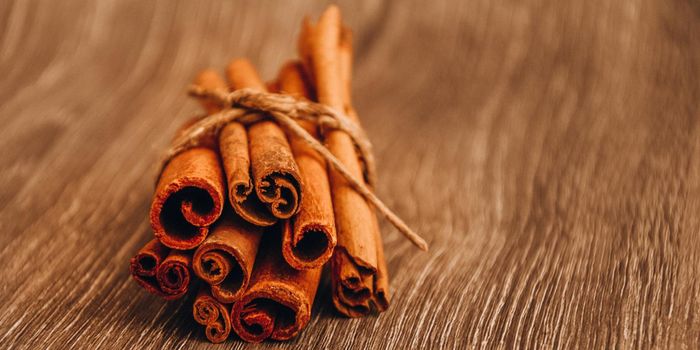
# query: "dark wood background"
{"points": [[549, 151]]}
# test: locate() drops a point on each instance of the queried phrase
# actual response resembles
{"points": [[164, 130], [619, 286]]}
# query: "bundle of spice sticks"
{"points": [[249, 214]]}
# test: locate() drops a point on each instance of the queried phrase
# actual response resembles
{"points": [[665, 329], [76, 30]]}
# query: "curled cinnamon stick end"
{"points": [[189, 195], [381, 296], [212, 314], [276, 176], [188, 198], [357, 288], [278, 303], [173, 274], [225, 259], [351, 285], [233, 146], [161, 271], [233, 142], [312, 239]]}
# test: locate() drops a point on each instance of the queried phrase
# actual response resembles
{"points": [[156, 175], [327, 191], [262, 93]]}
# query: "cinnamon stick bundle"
{"points": [[278, 303], [162, 271], [275, 174], [212, 314], [189, 195], [253, 204], [312, 239], [358, 270], [225, 259]]}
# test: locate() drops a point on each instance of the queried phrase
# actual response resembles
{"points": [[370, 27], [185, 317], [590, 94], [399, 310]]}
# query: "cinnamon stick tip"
{"points": [[209, 78], [331, 10], [238, 63]]}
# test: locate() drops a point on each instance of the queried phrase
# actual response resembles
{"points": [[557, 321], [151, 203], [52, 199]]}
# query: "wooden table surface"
{"points": [[548, 151]]}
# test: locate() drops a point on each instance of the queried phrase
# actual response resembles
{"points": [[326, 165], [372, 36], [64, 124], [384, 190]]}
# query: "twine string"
{"points": [[249, 106]]}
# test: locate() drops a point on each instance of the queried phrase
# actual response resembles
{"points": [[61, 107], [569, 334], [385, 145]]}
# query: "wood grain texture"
{"points": [[548, 151]]}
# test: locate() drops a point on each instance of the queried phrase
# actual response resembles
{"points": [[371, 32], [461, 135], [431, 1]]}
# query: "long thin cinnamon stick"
{"points": [[212, 314], [189, 195], [162, 271], [313, 237], [304, 47], [278, 303], [225, 259], [355, 264], [381, 294], [275, 173]]}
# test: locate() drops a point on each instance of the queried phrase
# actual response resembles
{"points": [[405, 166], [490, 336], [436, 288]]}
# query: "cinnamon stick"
{"points": [[304, 47], [212, 314], [278, 303], [225, 259], [162, 271], [312, 239], [355, 276], [381, 294], [211, 80], [275, 174], [189, 195], [233, 146]]}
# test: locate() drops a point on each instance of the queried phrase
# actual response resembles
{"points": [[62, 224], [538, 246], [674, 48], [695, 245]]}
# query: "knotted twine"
{"points": [[248, 106]]}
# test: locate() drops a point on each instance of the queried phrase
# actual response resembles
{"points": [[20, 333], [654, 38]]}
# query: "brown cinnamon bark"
{"points": [[312, 239], [225, 259], [211, 80], [358, 272], [189, 195], [212, 314], [233, 147], [304, 47], [278, 303], [381, 294], [275, 173], [162, 271]]}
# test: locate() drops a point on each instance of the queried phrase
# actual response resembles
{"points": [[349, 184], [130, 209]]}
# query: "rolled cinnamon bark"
{"points": [[278, 303], [304, 47], [225, 259], [381, 294], [358, 270], [212, 314], [161, 271], [189, 195], [312, 239], [211, 80], [233, 146], [275, 173]]}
